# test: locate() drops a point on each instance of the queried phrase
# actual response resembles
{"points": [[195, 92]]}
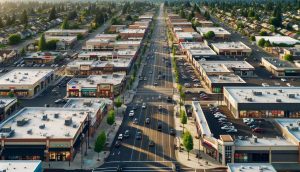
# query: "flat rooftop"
{"points": [[60, 38], [278, 39], [250, 167], [200, 117], [291, 125], [78, 63], [24, 76], [224, 66], [259, 94], [106, 36], [128, 42], [43, 55], [93, 80], [216, 30], [132, 31], [19, 165], [181, 23], [278, 63], [193, 45], [97, 40], [226, 79], [30, 125], [202, 51], [190, 35], [231, 45], [124, 62], [6, 101], [123, 52], [67, 30]]}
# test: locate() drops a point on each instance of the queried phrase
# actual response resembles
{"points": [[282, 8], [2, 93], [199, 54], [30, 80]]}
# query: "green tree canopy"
{"points": [[183, 118], [188, 142], [261, 42], [288, 57], [24, 18], [210, 35], [51, 45], [263, 33], [65, 24], [42, 43], [100, 143], [111, 117], [14, 39], [52, 14]]}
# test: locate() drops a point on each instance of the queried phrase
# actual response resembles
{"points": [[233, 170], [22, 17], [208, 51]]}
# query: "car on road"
{"points": [[126, 134], [134, 108], [131, 113], [147, 121], [150, 72], [138, 135], [231, 130], [160, 107], [60, 101], [155, 83], [120, 137], [258, 130], [187, 92], [172, 132], [195, 99], [187, 85], [283, 79], [265, 84], [159, 126], [118, 144], [151, 143], [144, 105], [169, 99], [135, 120]]}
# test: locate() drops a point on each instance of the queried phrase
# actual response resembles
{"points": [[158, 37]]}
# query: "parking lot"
{"points": [[240, 128]]}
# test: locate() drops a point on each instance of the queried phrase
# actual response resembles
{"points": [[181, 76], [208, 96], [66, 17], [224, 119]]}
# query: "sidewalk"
{"points": [[205, 162]]}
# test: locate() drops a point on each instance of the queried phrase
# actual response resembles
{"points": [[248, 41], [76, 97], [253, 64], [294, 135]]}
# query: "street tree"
{"points": [[14, 39], [118, 103], [100, 143], [1, 23], [24, 18], [261, 42], [183, 119], [65, 24], [42, 43], [110, 117], [188, 142], [210, 35], [52, 14], [51, 45], [288, 57]]}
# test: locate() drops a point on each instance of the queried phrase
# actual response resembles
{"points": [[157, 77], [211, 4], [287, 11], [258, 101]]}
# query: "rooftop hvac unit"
{"points": [[87, 103], [68, 121], [291, 95], [56, 115], [42, 126], [45, 117], [255, 139], [249, 99], [74, 126], [22, 122], [280, 91], [5, 129], [257, 93], [29, 131], [278, 100]]}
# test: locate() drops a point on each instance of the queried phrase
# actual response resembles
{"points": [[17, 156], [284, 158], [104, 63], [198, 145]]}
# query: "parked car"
{"points": [[172, 132], [151, 143], [120, 137], [258, 130], [131, 113], [138, 135], [147, 121], [126, 134], [231, 130], [135, 120], [118, 144], [144, 105]]}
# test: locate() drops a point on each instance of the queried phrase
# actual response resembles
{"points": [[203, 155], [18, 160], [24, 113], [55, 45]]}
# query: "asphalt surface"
{"points": [[137, 155]]}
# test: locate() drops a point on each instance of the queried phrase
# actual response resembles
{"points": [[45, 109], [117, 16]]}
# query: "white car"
{"points": [[283, 79], [120, 137], [131, 113], [227, 127], [265, 85], [144, 106], [231, 130]]}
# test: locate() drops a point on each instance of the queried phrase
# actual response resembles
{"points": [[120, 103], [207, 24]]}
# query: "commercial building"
{"points": [[293, 51], [188, 37], [116, 28], [181, 24], [111, 37], [91, 67], [25, 83], [104, 85], [21, 165], [7, 107], [106, 55], [96, 44], [47, 134], [42, 58], [185, 46], [216, 82], [204, 52], [120, 45], [231, 49], [277, 40], [7, 55], [206, 23], [244, 145], [281, 68], [97, 107], [250, 167], [219, 32], [128, 33], [64, 42], [66, 32], [263, 102]]}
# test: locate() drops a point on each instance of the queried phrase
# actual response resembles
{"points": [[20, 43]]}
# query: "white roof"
{"points": [[181, 23], [97, 40], [193, 45], [77, 63], [269, 94], [278, 39], [106, 36], [132, 31], [43, 55], [128, 42], [216, 30], [250, 167], [60, 38], [24, 76], [189, 35], [67, 30], [20, 165], [223, 66], [124, 62], [291, 126], [93, 80], [6, 101], [54, 127], [226, 79], [123, 52], [202, 51], [263, 142], [231, 45], [201, 119]]}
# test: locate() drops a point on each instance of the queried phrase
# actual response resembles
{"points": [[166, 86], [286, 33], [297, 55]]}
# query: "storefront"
{"points": [[74, 93], [59, 155], [209, 149], [88, 92]]}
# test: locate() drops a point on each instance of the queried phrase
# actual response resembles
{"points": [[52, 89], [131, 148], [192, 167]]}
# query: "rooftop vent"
{"points": [[249, 99], [56, 115], [291, 95], [22, 122], [74, 125], [45, 117], [42, 126], [68, 121], [278, 100], [29, 131], [257, 93]]}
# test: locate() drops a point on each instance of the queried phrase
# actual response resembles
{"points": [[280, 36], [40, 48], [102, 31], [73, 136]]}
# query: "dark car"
{"points": [[126, 134], [172, 132], [159, 126], [147, 121], [169, 99], [258, 130], [118, 143], [151, 143], [138, 135]]}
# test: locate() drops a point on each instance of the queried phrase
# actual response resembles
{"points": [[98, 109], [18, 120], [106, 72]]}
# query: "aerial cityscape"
{"points": [[150, 86]]}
